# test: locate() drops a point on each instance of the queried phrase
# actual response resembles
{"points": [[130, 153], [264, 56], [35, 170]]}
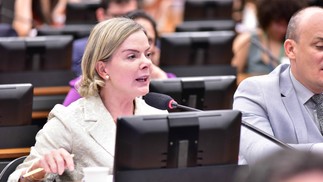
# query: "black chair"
{"points": [[10, 168], [18, 136]]}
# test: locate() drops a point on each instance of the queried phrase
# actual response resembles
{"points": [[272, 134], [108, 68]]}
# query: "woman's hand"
{"points": [[57, 161]]}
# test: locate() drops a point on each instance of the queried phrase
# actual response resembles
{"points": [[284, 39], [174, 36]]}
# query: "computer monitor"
{"points": [[77, 31], [196, 48], [204, 93], [82, 13], [207, 9], [206, 25], [176, 141], [16, 104], [200, 70], [35, 53]]}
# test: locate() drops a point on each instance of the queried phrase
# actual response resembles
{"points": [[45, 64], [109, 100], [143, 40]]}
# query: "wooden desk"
{"points": [[54, 90], [223, 173], [39, 114], [12, 153]]}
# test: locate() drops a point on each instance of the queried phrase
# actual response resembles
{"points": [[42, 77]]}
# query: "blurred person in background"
{"points": [[150, 25], [27, 15], [244, 13], [167, 13], [261, 51]]}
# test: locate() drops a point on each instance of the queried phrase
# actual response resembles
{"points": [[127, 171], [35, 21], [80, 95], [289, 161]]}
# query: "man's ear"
{"points": [[101, 69], [290, 49], [100, 14]]}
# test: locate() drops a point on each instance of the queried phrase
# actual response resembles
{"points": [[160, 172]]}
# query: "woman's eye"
{"points": [[131, 56], [149, 55], [319, 47]]}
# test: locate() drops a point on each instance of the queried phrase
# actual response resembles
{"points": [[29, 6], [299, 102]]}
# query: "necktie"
{"points": [[318, 100]]}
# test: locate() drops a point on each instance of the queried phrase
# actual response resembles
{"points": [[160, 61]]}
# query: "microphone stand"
{"points": [[266, 135], [176, 105], [245, 124], [272, 58]]}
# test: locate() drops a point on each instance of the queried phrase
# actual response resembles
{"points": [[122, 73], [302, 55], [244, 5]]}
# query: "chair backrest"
{"points": [[10, 168], [18, 136]]}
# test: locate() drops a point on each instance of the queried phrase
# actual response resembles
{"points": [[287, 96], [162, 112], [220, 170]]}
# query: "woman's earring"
{"points": [[107, 77]]}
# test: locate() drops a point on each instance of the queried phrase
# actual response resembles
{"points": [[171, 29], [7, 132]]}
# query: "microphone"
{"points": [[165, 102]]}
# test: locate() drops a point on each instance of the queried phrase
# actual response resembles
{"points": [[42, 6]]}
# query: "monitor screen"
{"points": [[207, 9], [35, 53], [204, 93], [16, 104], [82, 12], [77, 31], [200, 70], [206, 25], [177, 140], [196, 48], [51, 86]]}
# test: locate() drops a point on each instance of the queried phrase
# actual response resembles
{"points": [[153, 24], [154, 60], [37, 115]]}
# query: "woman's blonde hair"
{"points": [[103, 41]]}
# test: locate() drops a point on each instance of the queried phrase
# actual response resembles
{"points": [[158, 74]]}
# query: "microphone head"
{"points": [[159, 101]]}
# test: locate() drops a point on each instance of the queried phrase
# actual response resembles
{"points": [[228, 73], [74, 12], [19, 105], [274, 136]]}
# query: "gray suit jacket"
{"points": [[85, 129], [270, 103]]}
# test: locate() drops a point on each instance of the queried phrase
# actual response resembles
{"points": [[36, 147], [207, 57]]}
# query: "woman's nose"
{"points": [[146, 62]]}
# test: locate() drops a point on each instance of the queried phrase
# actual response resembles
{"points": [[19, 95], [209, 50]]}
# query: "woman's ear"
{"points": [[290, 49], [101, 69]]}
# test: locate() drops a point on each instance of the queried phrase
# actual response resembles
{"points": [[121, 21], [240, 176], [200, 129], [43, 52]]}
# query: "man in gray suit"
{"points": [[281, 103]]}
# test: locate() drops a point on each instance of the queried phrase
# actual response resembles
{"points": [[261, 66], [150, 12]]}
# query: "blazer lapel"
{"points": [[101, 126], [292, 106]]}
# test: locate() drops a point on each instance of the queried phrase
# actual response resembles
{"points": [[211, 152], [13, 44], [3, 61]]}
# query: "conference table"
{"points": [[221, 173], [47, 91]]}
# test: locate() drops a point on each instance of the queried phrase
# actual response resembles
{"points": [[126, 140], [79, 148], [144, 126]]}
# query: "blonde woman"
{"points": [[116, 70]]}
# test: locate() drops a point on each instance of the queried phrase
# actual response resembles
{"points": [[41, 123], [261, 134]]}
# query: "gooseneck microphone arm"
{"points": [[165, 102], [245, 124], [176, 105], [266, 135], [273, 59]]}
